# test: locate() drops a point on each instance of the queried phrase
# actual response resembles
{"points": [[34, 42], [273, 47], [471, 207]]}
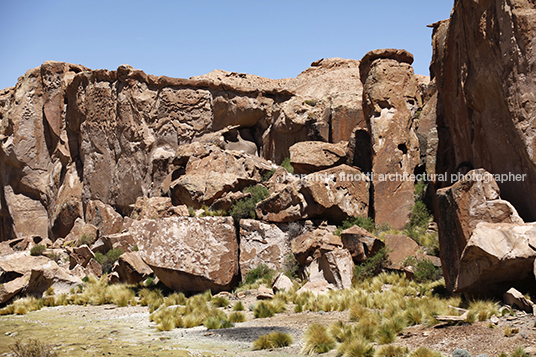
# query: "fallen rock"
{"points": [[337, 193], [124, 241], [514, 298], [152, 208], [13, 287], [264, 292], [16, 265], [82, 233], [104, 217], [336, 267], [464, 205], [282, 282], [497, 257], [361, 243], [310, 156], [189, 254], [264, 243], [131, 268], [50, 275], [310, 245], [399, 248], [80, 256], [316, 287]]}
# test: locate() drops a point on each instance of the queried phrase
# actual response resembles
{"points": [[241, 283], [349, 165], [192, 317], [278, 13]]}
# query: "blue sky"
{"points": [[275, 39]]}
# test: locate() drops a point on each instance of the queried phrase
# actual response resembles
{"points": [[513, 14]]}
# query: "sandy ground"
{"points": [[109, 330]]}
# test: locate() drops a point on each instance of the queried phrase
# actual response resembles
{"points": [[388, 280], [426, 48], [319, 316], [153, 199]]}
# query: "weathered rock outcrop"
{"points": [[462, 206], [335, 267], [484, 63], [360, 243], [390, 102], [131, 268], [189, 254], [336, 193]]}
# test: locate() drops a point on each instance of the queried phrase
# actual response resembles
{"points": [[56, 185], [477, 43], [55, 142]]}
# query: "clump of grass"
{"points": [[85, 239], [483, 309], [32, 348], [357, 347], [317, 340], [175, 299], [424, 352], [37, 250], [237, 317], [220, 301], [461, 352], [107, 261], [120, 295], [392, 351], [263, 310], [214, 322], [510, 331], [238, 306], [372, 266], [273, 340], [261, 272], [519, 351], [340, 332], [385, 334]]}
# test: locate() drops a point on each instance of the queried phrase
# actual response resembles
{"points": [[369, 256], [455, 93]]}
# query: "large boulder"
{"points": [[104, 217], [391, 101], [189, 254], [497, 257], [13, 287], [311, 156], [207, 177], [474, 199], [131, 268], [399, 248], [313, 243], [16, 265], [50, 275], [336, 267], [82, 233], [265, 243], [361, 243], [336, 193]]}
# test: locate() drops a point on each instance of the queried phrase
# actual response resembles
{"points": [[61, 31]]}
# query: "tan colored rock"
{"points": [[361, 243], [514, 298], [311, 156], [152, 208], [80, 256], [68, 205], [13, 287], [399, 248], [82, 233], [21, 263], [131, 268], [208, 177], [489, 109], [189, 254], [497, 256], [316, 287], [311, 245], [337, 193], [391, 99], [104, 217], [94, 268], [29, 216], [462, 207], [50, 275], [124, 241], [264, 243], [227, 201], [336, 267], [264, 292], [282, 283]]}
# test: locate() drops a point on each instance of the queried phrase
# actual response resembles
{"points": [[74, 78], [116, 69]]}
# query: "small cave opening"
{"points": [[402, 147]]}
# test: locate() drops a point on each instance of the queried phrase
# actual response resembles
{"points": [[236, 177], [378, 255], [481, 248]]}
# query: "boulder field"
{"points": [[100, 161]]}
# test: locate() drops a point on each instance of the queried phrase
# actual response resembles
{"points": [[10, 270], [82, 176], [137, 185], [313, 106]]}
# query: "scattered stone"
{"points": [[514, 298], [264, 293], [282, 282], [131, 268]]}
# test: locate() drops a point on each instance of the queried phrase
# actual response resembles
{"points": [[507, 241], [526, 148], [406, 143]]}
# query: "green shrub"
{"points": [[239, 306], [268, 175], [215, 322], [85, 239], [245, 208], [32, 348], [263, 310], [107, 261], [37, 250], [317, 340], [424, 270], [191, 211], [261, 272], [287, 166], [372, 266]]}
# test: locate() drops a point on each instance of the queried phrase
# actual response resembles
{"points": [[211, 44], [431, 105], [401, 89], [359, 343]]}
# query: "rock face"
{"points": [[462, 207], [399, 248], [336, 267], [312, 244], [484, 63], [104, 217], [263, 243], [391, 100], [336, 193], [189, 254], [131, 268], [311, 156], [497, 257]]}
